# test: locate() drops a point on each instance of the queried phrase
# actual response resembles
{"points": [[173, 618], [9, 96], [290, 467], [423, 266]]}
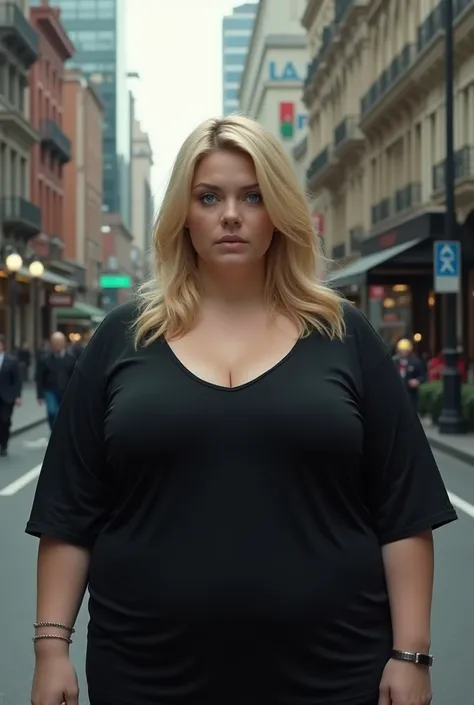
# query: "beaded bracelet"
{"points": [[52, 636], [58, 625]]}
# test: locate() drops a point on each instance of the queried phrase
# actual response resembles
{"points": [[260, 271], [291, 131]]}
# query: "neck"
{"points": [[236, 287]]}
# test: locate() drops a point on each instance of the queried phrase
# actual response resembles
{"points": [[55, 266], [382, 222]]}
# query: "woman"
{"points": [[252, 518]]}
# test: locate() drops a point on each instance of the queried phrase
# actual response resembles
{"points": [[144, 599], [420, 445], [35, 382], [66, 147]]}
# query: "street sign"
{"points": [[115, 281], [447, 266]]}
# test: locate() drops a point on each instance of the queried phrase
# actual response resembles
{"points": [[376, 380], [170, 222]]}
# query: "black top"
{"points": [[236, 533], [10, 380]]}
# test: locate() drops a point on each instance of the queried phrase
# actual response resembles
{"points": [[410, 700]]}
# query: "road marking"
{"points": [[461, 504], [21, 482], [39, 443]]}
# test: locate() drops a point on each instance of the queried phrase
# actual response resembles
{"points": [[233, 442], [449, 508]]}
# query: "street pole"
{"points": [[12, 292], [451, 420]]}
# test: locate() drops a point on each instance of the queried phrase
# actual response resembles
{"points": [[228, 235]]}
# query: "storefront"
{"points": [[77, 322], [392, 283]]}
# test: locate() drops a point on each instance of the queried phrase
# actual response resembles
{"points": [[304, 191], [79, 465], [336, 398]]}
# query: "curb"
{"points": [[26, 427], [462, 455]]}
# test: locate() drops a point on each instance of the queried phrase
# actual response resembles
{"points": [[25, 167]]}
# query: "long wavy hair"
{"points": [[169, 302]]}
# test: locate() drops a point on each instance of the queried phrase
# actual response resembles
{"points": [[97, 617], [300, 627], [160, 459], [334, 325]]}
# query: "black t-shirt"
{"points": [[236, 533]]}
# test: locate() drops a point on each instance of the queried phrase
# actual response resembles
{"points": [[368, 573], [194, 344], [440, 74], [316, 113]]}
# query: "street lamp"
{"points": [[14, 263], [36, 270], [451, 418]]}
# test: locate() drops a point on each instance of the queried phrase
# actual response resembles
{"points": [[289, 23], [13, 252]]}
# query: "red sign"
{"points": [[377, 292], [60, 299], [287, 119]]}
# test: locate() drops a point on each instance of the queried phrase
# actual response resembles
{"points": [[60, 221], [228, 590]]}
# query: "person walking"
{"points": [[10, 394], [252, 519], [54, 370]]}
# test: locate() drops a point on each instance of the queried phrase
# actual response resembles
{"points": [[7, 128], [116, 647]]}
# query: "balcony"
{"points": [[323, 170], [407, 198], [463, 174], [348, 139], [20, 217], [430, 28], [54, 139], [17, 34], [13, 122], [381, 211], [393, 88], [346, 12], [318, 62]]}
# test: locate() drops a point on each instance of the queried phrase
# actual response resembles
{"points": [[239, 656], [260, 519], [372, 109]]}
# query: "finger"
{"points": [[72, 697], [384, 697]]}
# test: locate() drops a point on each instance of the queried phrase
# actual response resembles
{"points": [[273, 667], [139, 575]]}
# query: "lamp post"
{"points": [[14, 263], [451, 419], [36, 269]]}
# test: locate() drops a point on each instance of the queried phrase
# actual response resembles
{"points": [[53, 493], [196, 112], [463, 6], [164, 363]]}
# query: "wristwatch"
{"points": [[413, 657]]}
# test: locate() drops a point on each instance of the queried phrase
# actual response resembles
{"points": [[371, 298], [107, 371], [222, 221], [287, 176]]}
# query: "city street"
{"points": [[453, 625]]}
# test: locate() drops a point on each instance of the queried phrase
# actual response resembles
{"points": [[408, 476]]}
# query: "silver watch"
{"points": [[413, 657]]}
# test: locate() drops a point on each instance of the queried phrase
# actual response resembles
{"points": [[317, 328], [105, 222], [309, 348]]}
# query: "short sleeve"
{"points": [[70, 498], [403, 485]]}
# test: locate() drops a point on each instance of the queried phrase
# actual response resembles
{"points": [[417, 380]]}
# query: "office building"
{"points": [[272, 80], [97, 30], [237, 31], [375, 92], [143, 205]]}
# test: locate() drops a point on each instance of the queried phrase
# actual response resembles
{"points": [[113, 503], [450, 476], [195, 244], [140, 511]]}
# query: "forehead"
{"points": [[225, 167]]}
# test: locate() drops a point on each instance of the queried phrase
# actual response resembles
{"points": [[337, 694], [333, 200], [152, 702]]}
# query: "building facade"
{"points": [[375, 97], [272, 81], [82, 215], [119, 266], [50, 155], [237, 31], [97, 30], [143, 205]]}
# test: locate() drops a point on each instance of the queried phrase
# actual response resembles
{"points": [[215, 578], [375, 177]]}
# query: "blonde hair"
{"points": [[168, 303]]}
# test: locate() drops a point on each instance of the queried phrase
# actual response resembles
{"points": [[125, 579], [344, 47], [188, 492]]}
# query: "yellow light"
{"points": [[389, 303], [36, 269], [431, 301], [14, 262], [417, 337], [400, 288]]}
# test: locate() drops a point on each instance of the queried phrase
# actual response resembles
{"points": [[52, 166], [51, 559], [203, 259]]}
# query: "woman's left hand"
{"points": [[405, 683]]}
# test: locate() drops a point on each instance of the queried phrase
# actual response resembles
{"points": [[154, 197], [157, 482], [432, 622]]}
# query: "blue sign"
{"points": [[447, 266], [301, 121], [287, 72]]}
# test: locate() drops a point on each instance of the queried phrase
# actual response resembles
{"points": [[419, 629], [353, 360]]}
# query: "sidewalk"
{"points": [[30, 413], [460, 447]]}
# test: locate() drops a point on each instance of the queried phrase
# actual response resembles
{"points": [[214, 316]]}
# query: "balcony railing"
{"points": [[55, 139], [463, 168], [387, 79], [430, 27], [348, 129], [461, 5], [381, 211], [319, 162], [407, 197], [20, 216], [17, 32], [328, 34]]}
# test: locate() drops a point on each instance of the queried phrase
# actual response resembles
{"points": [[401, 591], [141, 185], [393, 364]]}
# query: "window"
{"points": [[232, 76], [231, 94], [230, 24], [236, 41]]}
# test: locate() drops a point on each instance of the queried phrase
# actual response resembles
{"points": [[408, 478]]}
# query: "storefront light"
{"points": [[400, 288], [431, 301], [36, 269], [417, 337], [389, 303], [14, 262]]}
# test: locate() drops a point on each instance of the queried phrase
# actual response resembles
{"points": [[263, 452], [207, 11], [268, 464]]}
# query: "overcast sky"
{"points": [[175, 46]]}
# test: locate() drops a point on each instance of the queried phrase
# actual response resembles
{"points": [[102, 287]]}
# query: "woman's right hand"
{"points": [[55, 680]]}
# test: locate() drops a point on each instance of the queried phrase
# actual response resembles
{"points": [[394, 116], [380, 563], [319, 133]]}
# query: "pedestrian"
{"points": [[410, 368], [53, 372], [10, 393], [236, 472]]}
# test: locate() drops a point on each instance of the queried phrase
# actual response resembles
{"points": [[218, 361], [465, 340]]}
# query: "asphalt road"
{"points": [[453, 614]]}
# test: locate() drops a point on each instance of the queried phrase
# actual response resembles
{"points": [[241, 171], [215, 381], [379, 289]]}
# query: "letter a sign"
{"points": [[289, 72]]}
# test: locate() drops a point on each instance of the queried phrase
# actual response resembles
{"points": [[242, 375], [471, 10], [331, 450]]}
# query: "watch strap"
{"points": [[413, 657]]}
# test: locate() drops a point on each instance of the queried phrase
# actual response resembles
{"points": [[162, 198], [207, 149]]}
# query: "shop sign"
{"points": [[285, 72], [289, 120], [60, 299]]}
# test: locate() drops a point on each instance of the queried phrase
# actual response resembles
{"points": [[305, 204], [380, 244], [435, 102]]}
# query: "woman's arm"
{"points": [[409, 569], [62, 580]]}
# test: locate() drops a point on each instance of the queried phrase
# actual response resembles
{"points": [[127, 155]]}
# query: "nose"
{"points": [[231, 215]]}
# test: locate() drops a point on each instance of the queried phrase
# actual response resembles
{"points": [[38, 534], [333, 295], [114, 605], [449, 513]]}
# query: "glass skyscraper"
{"points": [[97, 30], [237, 31]]}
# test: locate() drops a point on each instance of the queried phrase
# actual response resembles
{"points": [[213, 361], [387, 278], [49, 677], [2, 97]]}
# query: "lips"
{"points": [[231, 238]]}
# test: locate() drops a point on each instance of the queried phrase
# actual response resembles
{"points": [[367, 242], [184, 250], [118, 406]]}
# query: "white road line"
{"points": [[22, 481], [461, 504]]}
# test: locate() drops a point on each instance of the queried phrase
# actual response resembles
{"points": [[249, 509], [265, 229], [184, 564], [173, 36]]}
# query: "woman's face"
{"points": [[227, 220]]}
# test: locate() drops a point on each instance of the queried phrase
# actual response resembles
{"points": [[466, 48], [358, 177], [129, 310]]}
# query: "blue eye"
{"points": [[254, 197], [206, 198]]}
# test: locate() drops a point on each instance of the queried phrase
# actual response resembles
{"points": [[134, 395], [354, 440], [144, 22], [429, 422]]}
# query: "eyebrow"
{"points": [[213, 187]]}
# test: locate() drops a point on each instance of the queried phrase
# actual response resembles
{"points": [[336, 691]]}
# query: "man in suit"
{"points": [[10, 393], [53, 373]]}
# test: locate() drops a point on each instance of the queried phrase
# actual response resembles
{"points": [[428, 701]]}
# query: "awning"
{"points": [[356, 272], [81, 311], [50, 278]]}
